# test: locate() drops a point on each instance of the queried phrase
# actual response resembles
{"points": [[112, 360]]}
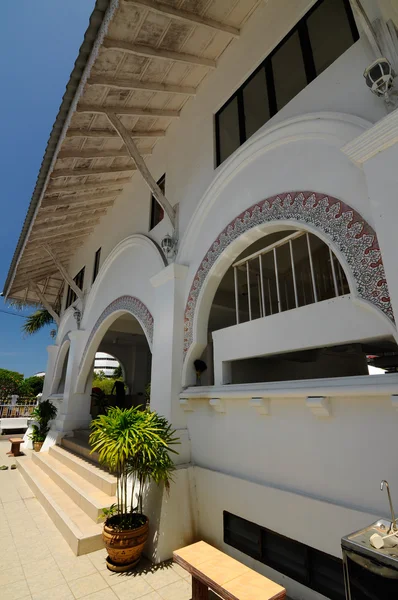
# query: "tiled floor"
{"points": [[37, 564]]}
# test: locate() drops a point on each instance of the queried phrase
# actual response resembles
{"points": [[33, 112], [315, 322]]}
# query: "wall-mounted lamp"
{"points": [[379, 77], [169, 246]]}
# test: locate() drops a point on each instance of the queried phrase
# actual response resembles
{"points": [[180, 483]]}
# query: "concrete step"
{"points": [[85, 495], [80, 447], [91, 472], [80, 532], [82, 434]]}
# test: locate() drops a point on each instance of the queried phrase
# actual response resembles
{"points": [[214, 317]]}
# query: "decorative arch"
{"points": [[123, 304], [345, 229], [62, 355]]}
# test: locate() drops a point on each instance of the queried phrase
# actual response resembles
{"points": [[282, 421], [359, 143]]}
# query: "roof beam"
{"points": [[135, 84], [55, 229], [149, 52], [99, 153], [68, 234], [87, 172], [107, 133], [90, 199], [65, 252], [182, 15], [75, 288], [80, 187], [66, 211], [68, 218], [37, 274], [128, 110], [44, 302], [141, 166]]}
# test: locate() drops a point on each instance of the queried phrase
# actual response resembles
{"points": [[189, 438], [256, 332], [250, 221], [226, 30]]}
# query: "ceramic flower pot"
{"points": [[37, 446], [124, 547]]}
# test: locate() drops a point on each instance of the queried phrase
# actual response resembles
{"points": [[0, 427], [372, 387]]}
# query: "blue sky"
{"points": [[39, 43]]}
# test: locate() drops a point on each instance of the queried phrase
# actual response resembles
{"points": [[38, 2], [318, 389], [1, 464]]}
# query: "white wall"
{"points": [[318, 524], [339, 459], [190, 167]]}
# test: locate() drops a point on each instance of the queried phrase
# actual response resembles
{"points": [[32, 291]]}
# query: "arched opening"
{"points": [[286, 271], [125, 342]]}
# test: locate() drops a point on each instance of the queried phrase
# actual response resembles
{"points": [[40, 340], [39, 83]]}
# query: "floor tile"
{"points": [[180, 590], [106, 594], [11, 575], [45, 581], [161, 577], [132, 588], [75, 567], [87, 585], [61, 592], [15, 590]]}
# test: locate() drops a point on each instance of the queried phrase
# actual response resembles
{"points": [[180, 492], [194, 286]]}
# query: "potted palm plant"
{"points": [[43, 413], [134, 444]]}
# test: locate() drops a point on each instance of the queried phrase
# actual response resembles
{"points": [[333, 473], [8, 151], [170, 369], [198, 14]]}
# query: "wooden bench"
{"points": [[231, 580], [15, 446]]}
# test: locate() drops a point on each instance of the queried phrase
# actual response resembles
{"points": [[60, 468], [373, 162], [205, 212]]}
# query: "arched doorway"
{"points": [[125, 340]]}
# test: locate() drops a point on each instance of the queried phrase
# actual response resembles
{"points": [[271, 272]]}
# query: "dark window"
{"points": [[157, 212], [313, 568], [97, 259], [79, 280], [317, 40]]}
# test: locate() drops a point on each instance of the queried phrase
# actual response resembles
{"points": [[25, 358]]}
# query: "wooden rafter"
{"points": [[141, 166], [107, 133], [135, 84], [87, 172], [168, 10], [100, 153], [89, 199], [59, 228], [128, 110], [92, 185], [150, 52], [68, 218], [75, 288], [69, 233], [44, 301], [77, 210]]}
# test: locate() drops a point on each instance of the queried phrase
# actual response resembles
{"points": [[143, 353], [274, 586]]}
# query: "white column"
{"points": [[376, 152], [51, 361], [168, 337], [74, 411]]}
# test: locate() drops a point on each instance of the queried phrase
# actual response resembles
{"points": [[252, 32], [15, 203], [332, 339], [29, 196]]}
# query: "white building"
{"points": [[105, 363], [278, 169]]}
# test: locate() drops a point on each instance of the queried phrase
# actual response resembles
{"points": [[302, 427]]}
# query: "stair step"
{"points": [[82, 434], [98, 477], [79, 531], [87, 497], [79, 447]]}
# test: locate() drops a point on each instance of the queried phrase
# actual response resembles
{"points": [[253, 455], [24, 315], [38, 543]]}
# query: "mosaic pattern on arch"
{"points": [[130, 304], [345, 228]]}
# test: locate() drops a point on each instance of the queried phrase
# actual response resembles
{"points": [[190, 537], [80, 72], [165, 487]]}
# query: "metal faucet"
{"points": [[393, 519]]}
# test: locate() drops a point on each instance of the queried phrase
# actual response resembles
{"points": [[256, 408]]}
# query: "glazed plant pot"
{"points": [[124, 547], [37, 446]]}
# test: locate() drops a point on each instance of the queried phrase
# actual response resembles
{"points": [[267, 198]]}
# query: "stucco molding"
{"points": [[377, 138], [138, 240], [334, 129], [129, 304], [345, 229]]}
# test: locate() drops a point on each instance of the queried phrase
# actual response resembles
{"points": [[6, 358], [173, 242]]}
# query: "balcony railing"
{"points": [[24, 408], [297, 270]]}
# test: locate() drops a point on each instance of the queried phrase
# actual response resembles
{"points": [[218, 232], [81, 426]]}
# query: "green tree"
{"points": [[35, 384], [10, 383], [118, 372]]}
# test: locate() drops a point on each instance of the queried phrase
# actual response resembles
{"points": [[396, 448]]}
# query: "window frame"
{"points": [[79, 280], [308, 554], [97, 259], [309, 66], [154, 203]]}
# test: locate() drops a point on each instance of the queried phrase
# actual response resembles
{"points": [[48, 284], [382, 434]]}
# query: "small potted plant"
{"points": [[43, 413], [135, 444]]}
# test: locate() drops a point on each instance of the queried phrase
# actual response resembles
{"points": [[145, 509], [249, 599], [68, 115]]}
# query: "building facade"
{"points": [[259, 237]]}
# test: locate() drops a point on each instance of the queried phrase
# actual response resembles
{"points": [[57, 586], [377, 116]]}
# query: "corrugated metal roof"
{"points": [[90, 36]]}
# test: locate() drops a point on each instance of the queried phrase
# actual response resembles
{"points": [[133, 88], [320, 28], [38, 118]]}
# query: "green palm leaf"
{"points": [[37, 321]]}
